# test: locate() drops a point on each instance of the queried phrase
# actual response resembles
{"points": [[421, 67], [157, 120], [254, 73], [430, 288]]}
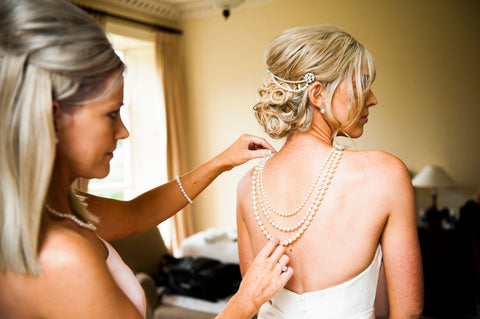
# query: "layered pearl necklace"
{"points": [[259, 198], [86, 225]]}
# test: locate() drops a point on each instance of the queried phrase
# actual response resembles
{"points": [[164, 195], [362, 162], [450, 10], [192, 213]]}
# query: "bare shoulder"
{"points": [[75, 273], [71, 264], [389, 178], [381, 175], [64, 248], [69, 268], [379, 164]]}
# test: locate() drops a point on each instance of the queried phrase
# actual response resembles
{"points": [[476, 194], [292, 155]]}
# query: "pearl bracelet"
{"points": [[183, 191]]}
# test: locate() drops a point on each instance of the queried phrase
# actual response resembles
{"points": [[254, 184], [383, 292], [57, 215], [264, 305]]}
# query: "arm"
{"points": [[260, 283], [119, 219], [401, 249]]}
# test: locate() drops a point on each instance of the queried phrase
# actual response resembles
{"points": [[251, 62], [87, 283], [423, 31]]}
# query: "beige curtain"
{"points": [[168, 64]]}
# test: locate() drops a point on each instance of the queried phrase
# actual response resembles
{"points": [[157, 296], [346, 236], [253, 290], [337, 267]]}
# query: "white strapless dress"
{"points": [[353, 299]]}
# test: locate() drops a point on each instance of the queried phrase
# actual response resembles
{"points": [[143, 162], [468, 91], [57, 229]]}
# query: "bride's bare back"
{"points": [[369, 201]]}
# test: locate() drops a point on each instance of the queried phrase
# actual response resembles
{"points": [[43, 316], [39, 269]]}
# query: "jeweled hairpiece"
{"points": [[308, 78]]}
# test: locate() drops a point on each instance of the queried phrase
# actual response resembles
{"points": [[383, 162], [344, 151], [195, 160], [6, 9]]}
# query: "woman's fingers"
{"points": [[258, 143], [277, 253], [258, 146], [283, 262], [285, 276], [269, 248], [245, 148]]}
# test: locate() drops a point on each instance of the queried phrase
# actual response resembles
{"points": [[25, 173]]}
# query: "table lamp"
{"points": [[433, 177]]}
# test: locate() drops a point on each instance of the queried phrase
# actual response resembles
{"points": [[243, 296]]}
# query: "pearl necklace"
{"points": [[259, 175], [327, 172], [87, 225]]}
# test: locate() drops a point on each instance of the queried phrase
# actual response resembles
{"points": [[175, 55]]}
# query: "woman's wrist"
{"points": [[240, 306], [222, 164], [180, 186], [247, 303]]}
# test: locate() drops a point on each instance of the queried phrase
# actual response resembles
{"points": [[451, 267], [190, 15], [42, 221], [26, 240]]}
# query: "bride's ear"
{"points": [[316, 94]]}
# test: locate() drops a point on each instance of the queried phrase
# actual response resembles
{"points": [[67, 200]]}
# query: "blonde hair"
{"points": [[50, 50], [332, 55]]}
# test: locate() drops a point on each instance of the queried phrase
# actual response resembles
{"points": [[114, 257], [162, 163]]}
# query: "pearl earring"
{"points": [[322, 110]]}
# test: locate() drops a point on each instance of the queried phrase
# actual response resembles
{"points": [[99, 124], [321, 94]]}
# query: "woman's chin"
{"points": [[100, 173]]}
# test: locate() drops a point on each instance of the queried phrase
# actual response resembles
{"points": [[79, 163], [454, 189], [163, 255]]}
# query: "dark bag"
{"points": [[202, 277]]}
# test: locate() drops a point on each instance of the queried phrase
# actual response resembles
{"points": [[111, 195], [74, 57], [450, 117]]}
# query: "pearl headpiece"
{"points": [[308, 78]]}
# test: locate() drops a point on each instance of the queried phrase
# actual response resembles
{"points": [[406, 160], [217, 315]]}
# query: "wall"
{"points": [[427, 54]]}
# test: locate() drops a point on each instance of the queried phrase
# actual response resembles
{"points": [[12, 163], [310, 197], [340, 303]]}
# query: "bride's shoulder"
{"points": [[377, 164]]}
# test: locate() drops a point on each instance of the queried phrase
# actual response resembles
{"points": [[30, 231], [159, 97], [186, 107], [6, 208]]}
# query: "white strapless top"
{"points": [[353, 299], [125, 279]]}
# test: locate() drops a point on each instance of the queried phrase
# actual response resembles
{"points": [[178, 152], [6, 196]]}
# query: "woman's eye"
{"points": [[113, 115]]}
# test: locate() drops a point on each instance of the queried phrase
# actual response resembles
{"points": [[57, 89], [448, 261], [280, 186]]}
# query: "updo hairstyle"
{"points": [[331, 55], [50, 50]]}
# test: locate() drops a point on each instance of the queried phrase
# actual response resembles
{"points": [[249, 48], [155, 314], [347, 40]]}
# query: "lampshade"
{"points": [[432, 177]]}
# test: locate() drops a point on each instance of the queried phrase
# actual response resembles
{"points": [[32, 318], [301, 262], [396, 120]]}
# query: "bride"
{"points": [[340, 213]]}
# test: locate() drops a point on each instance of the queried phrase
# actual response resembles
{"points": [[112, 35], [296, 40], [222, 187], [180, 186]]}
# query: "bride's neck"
{"points": [[311, 137]]}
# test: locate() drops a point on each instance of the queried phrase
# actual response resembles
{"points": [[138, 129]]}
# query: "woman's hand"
{"points": [[268, 273], [245, 148]]}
